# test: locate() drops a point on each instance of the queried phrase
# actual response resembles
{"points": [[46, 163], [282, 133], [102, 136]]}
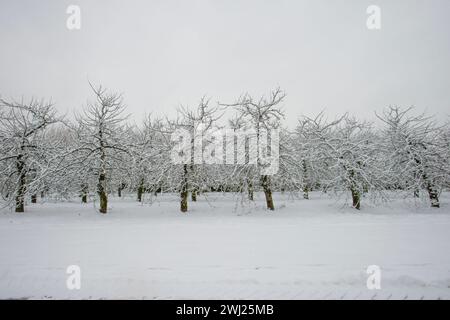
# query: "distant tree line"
{"points": [[101, 153]]}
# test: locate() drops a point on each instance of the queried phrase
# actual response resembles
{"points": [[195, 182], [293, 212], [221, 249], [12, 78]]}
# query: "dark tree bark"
{"points": [[194, 195], [101, 187], [34, 198], [305, 183], [84, 193], [102, 193], [416, 177], [140, 190], [20, 196], [120, 188], [432, 192], [250, 190], [184, 190], [356, 196], [267, 192], [305, 192]]}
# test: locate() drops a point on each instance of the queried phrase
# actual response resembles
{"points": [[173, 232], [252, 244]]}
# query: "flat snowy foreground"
{"points": [[222, 249]]}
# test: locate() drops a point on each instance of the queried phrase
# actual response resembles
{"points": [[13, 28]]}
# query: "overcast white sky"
{"points": [[161, 54]]}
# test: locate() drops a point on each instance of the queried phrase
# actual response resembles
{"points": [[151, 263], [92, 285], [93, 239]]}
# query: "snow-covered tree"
{"points": [[417, 152], [197, 124], [263, 116], [346, 156], [25, 158], [150, 156], [102, 140]]}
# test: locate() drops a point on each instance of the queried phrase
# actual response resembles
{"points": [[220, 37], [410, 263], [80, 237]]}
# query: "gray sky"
{"points": [[161, 54]]}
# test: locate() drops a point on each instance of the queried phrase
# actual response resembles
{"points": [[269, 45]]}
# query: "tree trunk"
{"points": [[267, 192], [416, 178], [432, 193], [305, 192], [84, 193], [20, 196], [34, 198], [305, 183], [140, 190], [192, 172], [120, 189], [365, 188], [101, 187], [250, 190], [356, 198], [102, 193], [184, 192]]}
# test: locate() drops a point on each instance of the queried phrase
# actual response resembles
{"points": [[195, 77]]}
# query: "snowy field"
{"points": [[223, 249]]}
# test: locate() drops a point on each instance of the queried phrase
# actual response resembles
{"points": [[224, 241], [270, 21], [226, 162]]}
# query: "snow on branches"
{"points": [[101, 152]]}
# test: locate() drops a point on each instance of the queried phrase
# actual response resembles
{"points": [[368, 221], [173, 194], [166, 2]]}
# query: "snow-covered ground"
{"points": [[316, 248]]}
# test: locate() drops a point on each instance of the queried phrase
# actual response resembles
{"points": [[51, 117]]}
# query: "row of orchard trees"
{"points": [[101, 152]]}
